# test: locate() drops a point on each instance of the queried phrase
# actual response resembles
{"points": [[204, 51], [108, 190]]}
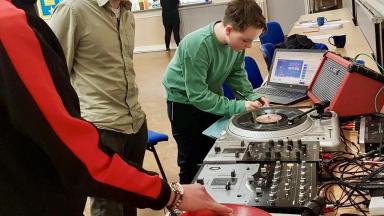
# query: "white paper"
{"points": [[313, 24], [319, 37]]}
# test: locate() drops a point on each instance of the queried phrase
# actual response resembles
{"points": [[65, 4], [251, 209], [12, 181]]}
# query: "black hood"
{"points": [[27, 5]]}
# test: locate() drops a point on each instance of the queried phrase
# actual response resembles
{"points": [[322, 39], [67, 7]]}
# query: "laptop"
{"points": [[291, 72]]}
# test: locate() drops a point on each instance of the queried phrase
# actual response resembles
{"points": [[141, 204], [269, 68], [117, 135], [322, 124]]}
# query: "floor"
{"points": [[149, 69]]}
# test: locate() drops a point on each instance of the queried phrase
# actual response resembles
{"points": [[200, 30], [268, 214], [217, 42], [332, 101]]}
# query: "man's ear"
{"points": [[228, 29]]}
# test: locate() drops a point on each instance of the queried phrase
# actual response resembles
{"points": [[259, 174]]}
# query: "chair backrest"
{"points": [[228, 91], [253, 71], [253, 74], [268, 50], [274, 34]]}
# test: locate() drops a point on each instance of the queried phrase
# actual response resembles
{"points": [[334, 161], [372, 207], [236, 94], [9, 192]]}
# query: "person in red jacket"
{"points": [[49, 156]]}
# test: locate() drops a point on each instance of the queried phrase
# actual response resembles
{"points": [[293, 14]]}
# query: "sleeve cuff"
{"points": [[254, 97], [163, 197]]}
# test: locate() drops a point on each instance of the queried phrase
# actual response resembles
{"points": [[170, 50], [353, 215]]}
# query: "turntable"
{"points": [[277, 133]]}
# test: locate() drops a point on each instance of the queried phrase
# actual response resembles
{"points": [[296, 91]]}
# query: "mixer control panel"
{"points": [[272, 150], [277, 186]]}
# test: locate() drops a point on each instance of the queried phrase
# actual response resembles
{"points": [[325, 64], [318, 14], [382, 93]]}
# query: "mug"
{"points": [[321, 21], [338, 40], [360, 62]]}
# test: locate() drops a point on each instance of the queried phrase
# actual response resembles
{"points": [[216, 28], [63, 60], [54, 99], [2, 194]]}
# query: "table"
{"points": [[356, 42]]}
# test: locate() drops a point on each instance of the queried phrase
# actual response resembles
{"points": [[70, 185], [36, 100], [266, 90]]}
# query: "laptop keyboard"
{"points": [[279, 92]]}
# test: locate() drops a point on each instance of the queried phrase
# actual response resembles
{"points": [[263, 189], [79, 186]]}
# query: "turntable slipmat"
{"points": [[267, 119]]}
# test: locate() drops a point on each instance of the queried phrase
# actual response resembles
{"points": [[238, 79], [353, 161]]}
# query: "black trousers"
{"points": [[188, 123], [129, 146], [171, 24]]}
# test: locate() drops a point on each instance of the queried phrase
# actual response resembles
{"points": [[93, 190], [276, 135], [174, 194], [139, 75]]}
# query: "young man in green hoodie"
{"points": [[193, 80]]}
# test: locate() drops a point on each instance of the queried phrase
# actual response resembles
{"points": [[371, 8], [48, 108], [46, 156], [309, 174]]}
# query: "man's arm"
{"points": [[64, 23]]}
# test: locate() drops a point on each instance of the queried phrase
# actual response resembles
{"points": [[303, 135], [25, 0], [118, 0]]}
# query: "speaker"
{"points": [[351, 88]]}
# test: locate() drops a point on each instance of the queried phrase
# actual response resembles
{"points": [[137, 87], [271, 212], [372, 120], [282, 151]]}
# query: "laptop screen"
{"points": [[295, 67]]}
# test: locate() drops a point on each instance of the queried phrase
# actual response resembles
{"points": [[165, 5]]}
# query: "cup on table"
{"points": [[360, 62], [338, 40], [321, 20]]}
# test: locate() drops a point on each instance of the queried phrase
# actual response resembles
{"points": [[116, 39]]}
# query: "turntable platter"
{"points": [[268, 123], [268, 119]]}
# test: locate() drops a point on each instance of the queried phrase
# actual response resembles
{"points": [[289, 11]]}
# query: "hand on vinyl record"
{"points": [[196, 198], [252, 105], [265, 101]]}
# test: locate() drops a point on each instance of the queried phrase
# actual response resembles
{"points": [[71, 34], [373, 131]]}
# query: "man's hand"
{"points": [[252, 105], [196, 198], [265, 101]]}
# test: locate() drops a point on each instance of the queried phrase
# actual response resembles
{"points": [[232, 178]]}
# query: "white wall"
{"points": [[149, 26]]}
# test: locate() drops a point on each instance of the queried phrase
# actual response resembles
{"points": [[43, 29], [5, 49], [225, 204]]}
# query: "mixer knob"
{"points": [[286, 186], [302, 188], [303, 177], [289, 148], [280, 142], [271, 143], [263, 171], [301, 198], [278, 165], [272, 195], [228, 185], [257, 199], [258, 191], [248, 154], [303, 168], [274, 188], [290, 142], [298, 155], [242, 143], [267, 155], [237, 154], [304, 148], [278, 155], [274, 182], [289, 173], [302, 181], [233, 173], [272, 198], [299, 143], [276, 175], [260, 182], [217, 149]]}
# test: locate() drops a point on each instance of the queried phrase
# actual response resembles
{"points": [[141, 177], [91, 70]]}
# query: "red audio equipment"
{"points": [[351, 88]]}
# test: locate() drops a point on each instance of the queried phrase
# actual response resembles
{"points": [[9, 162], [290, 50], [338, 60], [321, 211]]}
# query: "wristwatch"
{"points": [[179, 192]]}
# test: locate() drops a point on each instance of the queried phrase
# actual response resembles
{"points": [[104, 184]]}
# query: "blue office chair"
{"points": [[253, 74], [273, 35], [268, 49], [153, 139], [228, 91]]}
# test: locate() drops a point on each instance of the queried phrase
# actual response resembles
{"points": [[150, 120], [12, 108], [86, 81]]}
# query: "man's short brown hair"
{"points": [[242, 14]]}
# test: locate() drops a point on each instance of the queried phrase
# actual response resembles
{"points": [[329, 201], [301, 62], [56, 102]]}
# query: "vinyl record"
{"points": [[268, 119], [238, 210]]}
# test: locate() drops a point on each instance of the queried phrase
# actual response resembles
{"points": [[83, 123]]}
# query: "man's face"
{"points": [[239, 41]]}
